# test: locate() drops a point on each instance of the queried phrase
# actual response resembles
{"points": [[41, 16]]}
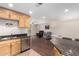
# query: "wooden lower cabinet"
{"points": [[56, 52], [5, 49], [10, 47], [16, 47]]}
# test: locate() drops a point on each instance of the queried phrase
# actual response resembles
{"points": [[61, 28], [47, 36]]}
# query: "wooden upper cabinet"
{"points": [[21, 22], [24, 21], [27, 21], [4, 13], [14, 15]]}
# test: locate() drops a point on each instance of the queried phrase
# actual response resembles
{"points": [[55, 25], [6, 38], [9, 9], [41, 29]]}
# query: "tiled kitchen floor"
{"points": [[30, 52]]}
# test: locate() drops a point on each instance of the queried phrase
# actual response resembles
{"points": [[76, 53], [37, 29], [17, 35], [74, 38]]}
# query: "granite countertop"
{"points": [[11, 37], [5, 39], [67, 47]]}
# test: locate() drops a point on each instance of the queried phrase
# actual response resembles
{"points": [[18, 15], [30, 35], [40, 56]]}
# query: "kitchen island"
{"points": [[67, 47]]}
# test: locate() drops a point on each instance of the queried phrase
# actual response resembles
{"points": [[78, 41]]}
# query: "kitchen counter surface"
{"points": [[67, 47], [8, 39], [12, 37]]}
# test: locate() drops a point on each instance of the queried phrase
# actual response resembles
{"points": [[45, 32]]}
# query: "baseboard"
{"points": [[25, 50]]}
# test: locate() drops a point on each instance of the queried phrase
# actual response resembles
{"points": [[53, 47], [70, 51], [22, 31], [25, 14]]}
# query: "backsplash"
{"points": [[12, 29]]}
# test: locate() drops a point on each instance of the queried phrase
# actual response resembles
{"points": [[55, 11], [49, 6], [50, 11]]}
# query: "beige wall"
{"points": [[69, 28], [65, 28]]}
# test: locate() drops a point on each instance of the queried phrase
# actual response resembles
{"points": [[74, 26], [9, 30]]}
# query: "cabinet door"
{"points": [[5, 49], [16, 47], [21, 22], [14, 15], [24, 21], [56, 52], [27, 21], [4, 13]]}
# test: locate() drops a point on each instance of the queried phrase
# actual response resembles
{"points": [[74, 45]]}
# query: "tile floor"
{"points": [[30, 52]]}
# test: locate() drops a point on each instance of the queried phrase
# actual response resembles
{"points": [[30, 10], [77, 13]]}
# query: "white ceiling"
{"points": [[50, 10]]}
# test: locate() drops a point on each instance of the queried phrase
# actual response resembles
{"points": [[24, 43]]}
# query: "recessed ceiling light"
{"points": [[43, 17], [30, 11], [10, 5], [66, 10]]}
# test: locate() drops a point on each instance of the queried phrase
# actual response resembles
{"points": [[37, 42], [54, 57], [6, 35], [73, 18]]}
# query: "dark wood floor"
{"points": [[42, 46]]}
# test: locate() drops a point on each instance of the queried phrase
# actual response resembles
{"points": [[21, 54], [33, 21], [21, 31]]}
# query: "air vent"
{"points": [[38, 4]]}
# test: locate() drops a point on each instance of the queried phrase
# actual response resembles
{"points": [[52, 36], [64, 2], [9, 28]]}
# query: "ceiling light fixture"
{"points": [[44, 17], [66, 10], [10, 5], [30, 11]]}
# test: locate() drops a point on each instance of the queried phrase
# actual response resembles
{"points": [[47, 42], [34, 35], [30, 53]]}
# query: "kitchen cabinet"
{"points": [[4, 13], [21, 22], [56, 52], [16, 47], [24, 21], [27, 21], [14, 15], [10, 47], [5, 49]]}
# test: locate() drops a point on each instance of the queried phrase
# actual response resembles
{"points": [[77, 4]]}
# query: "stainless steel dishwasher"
{"points": [[25, 43]]}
